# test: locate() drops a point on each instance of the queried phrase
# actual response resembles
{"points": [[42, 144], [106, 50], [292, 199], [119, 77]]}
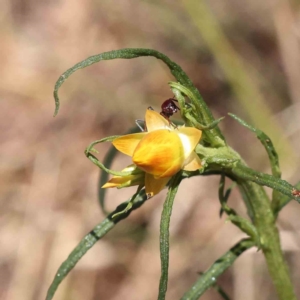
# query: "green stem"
{"points": [[264, 221], [262, 215]]}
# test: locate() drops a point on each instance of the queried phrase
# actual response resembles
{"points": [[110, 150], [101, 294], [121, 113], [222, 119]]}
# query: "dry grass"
{"points": [[49, 189]]}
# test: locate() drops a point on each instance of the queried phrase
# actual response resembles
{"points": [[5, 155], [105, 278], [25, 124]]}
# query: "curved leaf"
{"points": [[90, 239], [164, 235], [103, 178], [129, 53], [282, 186], [244, 224], [107, 162], [272, 154], [208, 279], [266, 142]]}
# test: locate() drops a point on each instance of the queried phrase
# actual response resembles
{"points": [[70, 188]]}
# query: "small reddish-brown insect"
{"points": [[168, 108]]}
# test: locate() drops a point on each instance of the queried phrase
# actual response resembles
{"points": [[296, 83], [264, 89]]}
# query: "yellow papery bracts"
{"points": [[136, 177], [158, 154]]}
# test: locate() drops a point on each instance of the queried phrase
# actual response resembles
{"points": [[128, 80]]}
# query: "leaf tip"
{"points": [[57, 104]]}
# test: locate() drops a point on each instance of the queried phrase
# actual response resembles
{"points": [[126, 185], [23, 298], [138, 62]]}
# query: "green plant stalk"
{"points": [[264, 222], [264, 218], [261, 213]]}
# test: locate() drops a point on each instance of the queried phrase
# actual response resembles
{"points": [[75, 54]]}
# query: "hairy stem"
{"points": [[264, 221]]}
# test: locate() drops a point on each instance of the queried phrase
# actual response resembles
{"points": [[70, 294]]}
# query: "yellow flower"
{"points": [[160, 152]]}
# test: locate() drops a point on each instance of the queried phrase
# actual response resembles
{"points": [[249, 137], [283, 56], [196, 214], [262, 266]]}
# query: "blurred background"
{"points": [[244, 58]]}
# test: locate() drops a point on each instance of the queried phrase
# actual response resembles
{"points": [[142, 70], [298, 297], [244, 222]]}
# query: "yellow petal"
{"points": [[190, 137], [124, 181], [127, 143], [160, 153], [155, 120], [114, 182], [193, 163], [133, 169], [154, 186]]}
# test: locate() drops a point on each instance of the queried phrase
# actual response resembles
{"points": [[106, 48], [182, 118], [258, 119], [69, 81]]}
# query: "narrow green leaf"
{"points": [[223, 197], [242, 223], [269, 147], [107, 162], [96, 161], [103, 178], [164, 235], [129, 203], [216, 287], [196, 116], [272, 154], [106, 139], [282, 186], [90, 239], [208, 279], [175, 86], [282, 201], [130, 53], [266, 142], [221, 292]]}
